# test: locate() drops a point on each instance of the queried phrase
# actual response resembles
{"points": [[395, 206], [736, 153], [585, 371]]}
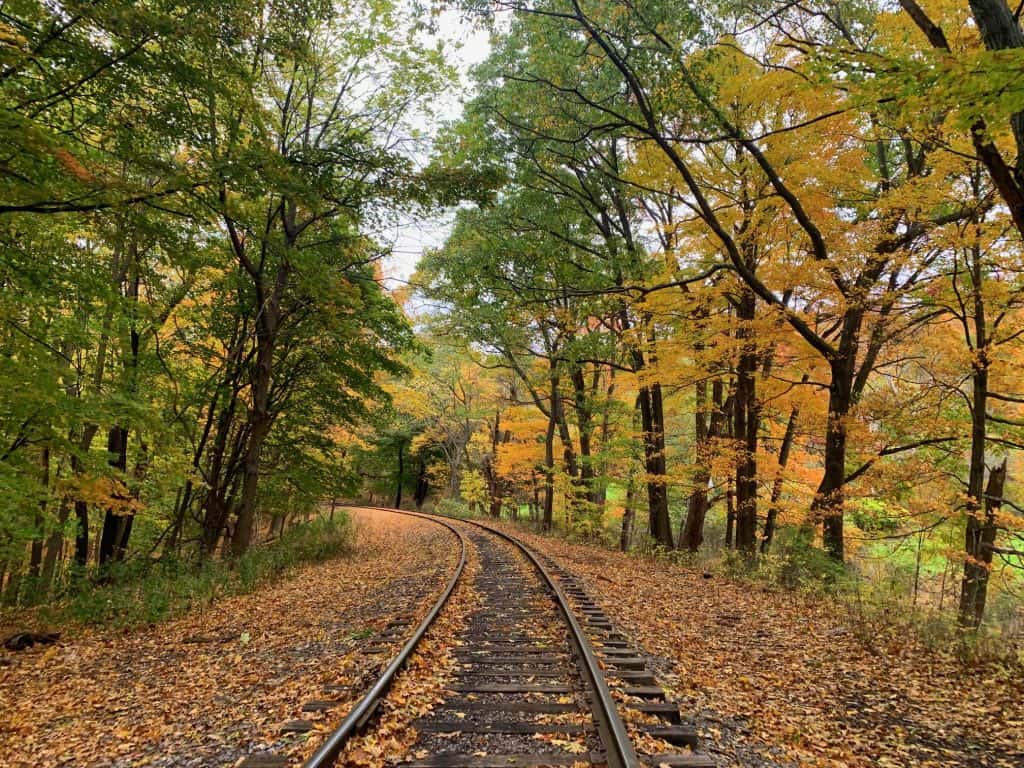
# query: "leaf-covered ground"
{"points": [[214, 686], [419, 687], [773, 678]]}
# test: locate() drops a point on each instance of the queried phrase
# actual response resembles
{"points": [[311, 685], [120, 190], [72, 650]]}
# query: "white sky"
{"points": [[464, 46]]}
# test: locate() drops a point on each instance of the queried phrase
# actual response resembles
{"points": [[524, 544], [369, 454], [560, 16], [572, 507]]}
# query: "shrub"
{"points": [[873, 515], [144, 591], [452, 508], [795, 563]]}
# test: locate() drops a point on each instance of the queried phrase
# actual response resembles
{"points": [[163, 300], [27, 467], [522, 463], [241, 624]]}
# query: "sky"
{"points": [[465, 46]]}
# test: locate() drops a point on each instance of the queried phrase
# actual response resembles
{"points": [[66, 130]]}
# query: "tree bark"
{"points": [[652, 423], [218, 423], [81, 532], [495, 485], [570, 460], [215, 507], [261, 419], [117, 527], [55, 543], [829, 498], [980, 530], [422, 485], [1000, 30], [601, 490], [401, 474], [980, 538], [548, 511], [771, 520], [691, 535], [628, 514], [585, 426], [535, 499], [747, 417], [35, 563], [730, 513], [117, 446]]}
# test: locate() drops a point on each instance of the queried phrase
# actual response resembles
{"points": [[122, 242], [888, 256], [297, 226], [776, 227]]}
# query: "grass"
{"points": [[144, 592], [453, 508], [875, 602]]}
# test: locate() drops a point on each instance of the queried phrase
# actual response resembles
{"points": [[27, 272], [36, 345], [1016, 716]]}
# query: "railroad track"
{"points": [[542, 677]]}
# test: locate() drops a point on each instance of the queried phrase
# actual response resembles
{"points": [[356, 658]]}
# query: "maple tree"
{"points": [[736, 209], [748, 272], [735, 286]]}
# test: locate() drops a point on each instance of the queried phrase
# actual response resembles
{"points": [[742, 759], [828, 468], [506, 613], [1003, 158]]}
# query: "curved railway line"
{"points": [[542, 676]]}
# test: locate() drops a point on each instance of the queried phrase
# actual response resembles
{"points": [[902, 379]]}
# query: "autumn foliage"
{"points": [[752, 279]]}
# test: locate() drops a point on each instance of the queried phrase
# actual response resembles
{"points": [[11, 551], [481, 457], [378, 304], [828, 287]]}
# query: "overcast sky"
{"points": [[465, 47]]}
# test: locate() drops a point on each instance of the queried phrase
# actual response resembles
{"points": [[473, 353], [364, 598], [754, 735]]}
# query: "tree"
{"points": [[187, 265]]}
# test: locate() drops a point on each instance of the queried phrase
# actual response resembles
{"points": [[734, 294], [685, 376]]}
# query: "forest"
{"points": [[737, 282], [749, 283]]}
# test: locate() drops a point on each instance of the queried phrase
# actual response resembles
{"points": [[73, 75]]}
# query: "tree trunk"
{"points": [[35, 562], [585, 426], [181, 503], [747, 418], [55, 543], [569, 458], [628, 515], [773, 510], [535, 500], [401, 474], [495, 485], [422, 485], [241, 538], [214, 508], [119, 268], [112, 533], [81, 533], [601, 489], [730, 513], [652, 425], [652, 422], [1001, 30], [260, 419], [269, 295], [980, 530], [691, 535], [980, 538], [548, 512], [829, 498], [77, 468], [117, 527], [124, 527]]}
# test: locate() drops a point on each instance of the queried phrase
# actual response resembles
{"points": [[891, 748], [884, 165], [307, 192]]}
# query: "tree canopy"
{"points": [[749, 272]]}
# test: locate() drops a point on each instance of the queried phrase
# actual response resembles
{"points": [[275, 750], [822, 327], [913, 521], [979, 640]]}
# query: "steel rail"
{"points": [[619, 747], [365, 708]]}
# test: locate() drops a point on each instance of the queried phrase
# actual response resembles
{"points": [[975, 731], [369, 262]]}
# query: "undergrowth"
{"points": [[880, 613], [146, 591], [881, 618], [453, 508]]}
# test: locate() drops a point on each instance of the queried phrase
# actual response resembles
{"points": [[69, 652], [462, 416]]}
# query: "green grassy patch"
{"points": [[142, 592]]}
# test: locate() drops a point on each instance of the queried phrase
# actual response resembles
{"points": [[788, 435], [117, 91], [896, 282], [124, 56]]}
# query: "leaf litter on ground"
{"points": [[771, 677], [210, 687]]}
